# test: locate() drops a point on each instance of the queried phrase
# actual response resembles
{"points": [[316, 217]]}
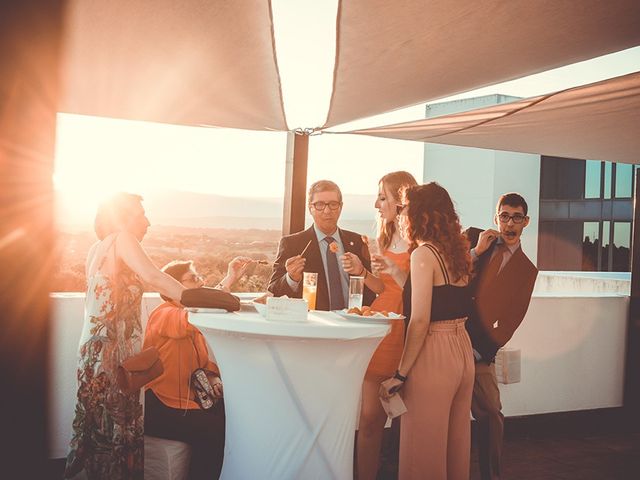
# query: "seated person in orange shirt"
{"points": [[171, 411]]}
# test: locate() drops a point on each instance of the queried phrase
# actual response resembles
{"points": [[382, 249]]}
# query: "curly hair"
{"points": [[432, 218], [393, 183]]}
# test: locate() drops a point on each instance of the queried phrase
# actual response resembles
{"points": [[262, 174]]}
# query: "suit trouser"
{"points": [[486, 409]]}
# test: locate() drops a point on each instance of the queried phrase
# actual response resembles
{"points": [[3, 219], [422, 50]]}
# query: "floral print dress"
{"points": [[107, 441]]}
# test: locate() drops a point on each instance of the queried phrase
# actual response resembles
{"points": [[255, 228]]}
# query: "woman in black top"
{"points": [[435, 375]]}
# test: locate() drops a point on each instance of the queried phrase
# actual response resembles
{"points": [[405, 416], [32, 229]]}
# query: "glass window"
{"points": [[607, 179], [604, 261], [624, 180], [592, 178], [621, 246], [590, 244]]}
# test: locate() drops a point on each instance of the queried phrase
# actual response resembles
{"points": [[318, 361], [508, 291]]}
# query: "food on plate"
{"points": [[263, 298], [366, 311]]}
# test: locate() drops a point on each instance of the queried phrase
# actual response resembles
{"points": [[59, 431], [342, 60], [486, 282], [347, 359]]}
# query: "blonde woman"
{"points": [[390, 270]]}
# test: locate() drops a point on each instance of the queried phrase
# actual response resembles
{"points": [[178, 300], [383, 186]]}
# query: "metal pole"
{"points": [[632, 363], [295, 188]]}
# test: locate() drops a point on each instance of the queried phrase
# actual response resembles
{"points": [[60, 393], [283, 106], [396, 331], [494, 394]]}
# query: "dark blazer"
{"points": [[503, 299], [292, 245]]}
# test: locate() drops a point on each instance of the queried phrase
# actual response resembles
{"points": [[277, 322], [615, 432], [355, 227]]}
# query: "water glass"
{"points": [[356, 287], [309, 288]]}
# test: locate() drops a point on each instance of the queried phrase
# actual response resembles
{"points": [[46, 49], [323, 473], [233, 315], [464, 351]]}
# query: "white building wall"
{"points": [[476, 177]]}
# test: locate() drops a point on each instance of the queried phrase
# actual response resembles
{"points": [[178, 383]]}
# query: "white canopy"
{"points": [[598, 121], [213, 63], [186, 62], [394, 54]]}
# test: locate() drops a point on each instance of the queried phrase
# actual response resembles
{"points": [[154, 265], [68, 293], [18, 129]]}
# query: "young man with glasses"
{"points": [[322, 248], [502, 284]]}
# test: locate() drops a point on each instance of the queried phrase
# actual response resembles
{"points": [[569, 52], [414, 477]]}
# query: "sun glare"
{"points": [[96, 157]]}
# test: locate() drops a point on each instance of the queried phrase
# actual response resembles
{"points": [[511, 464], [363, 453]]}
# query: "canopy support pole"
{"points": [[632, 363], [295, 188]]}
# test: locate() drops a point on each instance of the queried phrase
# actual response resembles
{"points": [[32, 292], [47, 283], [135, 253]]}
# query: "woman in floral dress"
{"points": [[107, 441]]}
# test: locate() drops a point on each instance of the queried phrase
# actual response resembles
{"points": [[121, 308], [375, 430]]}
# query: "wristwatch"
{"points": [[402, 378]]}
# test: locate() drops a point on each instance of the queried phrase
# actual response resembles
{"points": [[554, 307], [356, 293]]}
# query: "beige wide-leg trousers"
{"points": [[435, 433]]}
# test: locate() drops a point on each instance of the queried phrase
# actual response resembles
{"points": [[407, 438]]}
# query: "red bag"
{"points": [[138, 370]]}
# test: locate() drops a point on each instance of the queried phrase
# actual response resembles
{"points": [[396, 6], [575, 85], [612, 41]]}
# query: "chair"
{"points": [[165, 459]]}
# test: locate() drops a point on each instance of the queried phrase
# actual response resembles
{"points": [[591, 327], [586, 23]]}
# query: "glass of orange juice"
{"points": [[309, 288]]}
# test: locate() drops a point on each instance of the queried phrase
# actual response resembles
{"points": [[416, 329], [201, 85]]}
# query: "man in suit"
{"points": [[325, 206], [502, 285]]}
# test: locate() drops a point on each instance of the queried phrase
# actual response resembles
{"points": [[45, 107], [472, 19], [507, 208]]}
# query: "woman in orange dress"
{"points": [[390, 271]]}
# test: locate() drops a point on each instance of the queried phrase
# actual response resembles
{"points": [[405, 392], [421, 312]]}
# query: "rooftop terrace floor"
{"points": [[595, 445]]}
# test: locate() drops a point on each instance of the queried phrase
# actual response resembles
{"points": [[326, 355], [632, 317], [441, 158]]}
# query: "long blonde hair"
{"points": [[393, 185]]}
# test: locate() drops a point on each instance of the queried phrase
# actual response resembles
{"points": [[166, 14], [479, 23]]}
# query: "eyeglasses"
{"points": [[320, 206], [400, 208], [192, 277], [517, 218]]}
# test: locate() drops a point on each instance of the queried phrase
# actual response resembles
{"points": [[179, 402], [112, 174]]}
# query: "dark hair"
{"points": [[393, 183], [176, 269], [513, 200], [323, 186], [433, 218], [114, 213]]}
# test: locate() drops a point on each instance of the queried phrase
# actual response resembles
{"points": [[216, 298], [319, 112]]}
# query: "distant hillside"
{"points": [[190, 209]]}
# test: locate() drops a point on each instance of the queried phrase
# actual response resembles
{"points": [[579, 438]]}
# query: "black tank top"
{"points": [[448, 301]]}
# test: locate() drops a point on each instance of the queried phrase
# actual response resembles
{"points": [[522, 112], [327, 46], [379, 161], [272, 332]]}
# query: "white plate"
{"points": [[377, 318], [205, 310], [247, 297]]}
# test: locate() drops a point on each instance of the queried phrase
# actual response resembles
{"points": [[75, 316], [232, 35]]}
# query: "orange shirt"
{"points": [[182, 350]]}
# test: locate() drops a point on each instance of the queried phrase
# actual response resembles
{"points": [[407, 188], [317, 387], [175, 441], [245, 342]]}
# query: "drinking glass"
{"points": [[356, 287], [374, 254], [309, 288]]}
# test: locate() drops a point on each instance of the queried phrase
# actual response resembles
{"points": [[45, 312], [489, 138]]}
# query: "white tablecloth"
{"points": [[291, 392]]}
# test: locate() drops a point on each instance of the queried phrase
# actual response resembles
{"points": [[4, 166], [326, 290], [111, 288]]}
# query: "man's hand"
{"points": [[485, 240], [295, 267]]}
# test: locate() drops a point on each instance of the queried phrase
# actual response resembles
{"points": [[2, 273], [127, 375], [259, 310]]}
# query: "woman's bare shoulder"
{"points": [[423, 254]]}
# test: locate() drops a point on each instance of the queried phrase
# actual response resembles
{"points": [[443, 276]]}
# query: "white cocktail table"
{"points": [[291, 392]]}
